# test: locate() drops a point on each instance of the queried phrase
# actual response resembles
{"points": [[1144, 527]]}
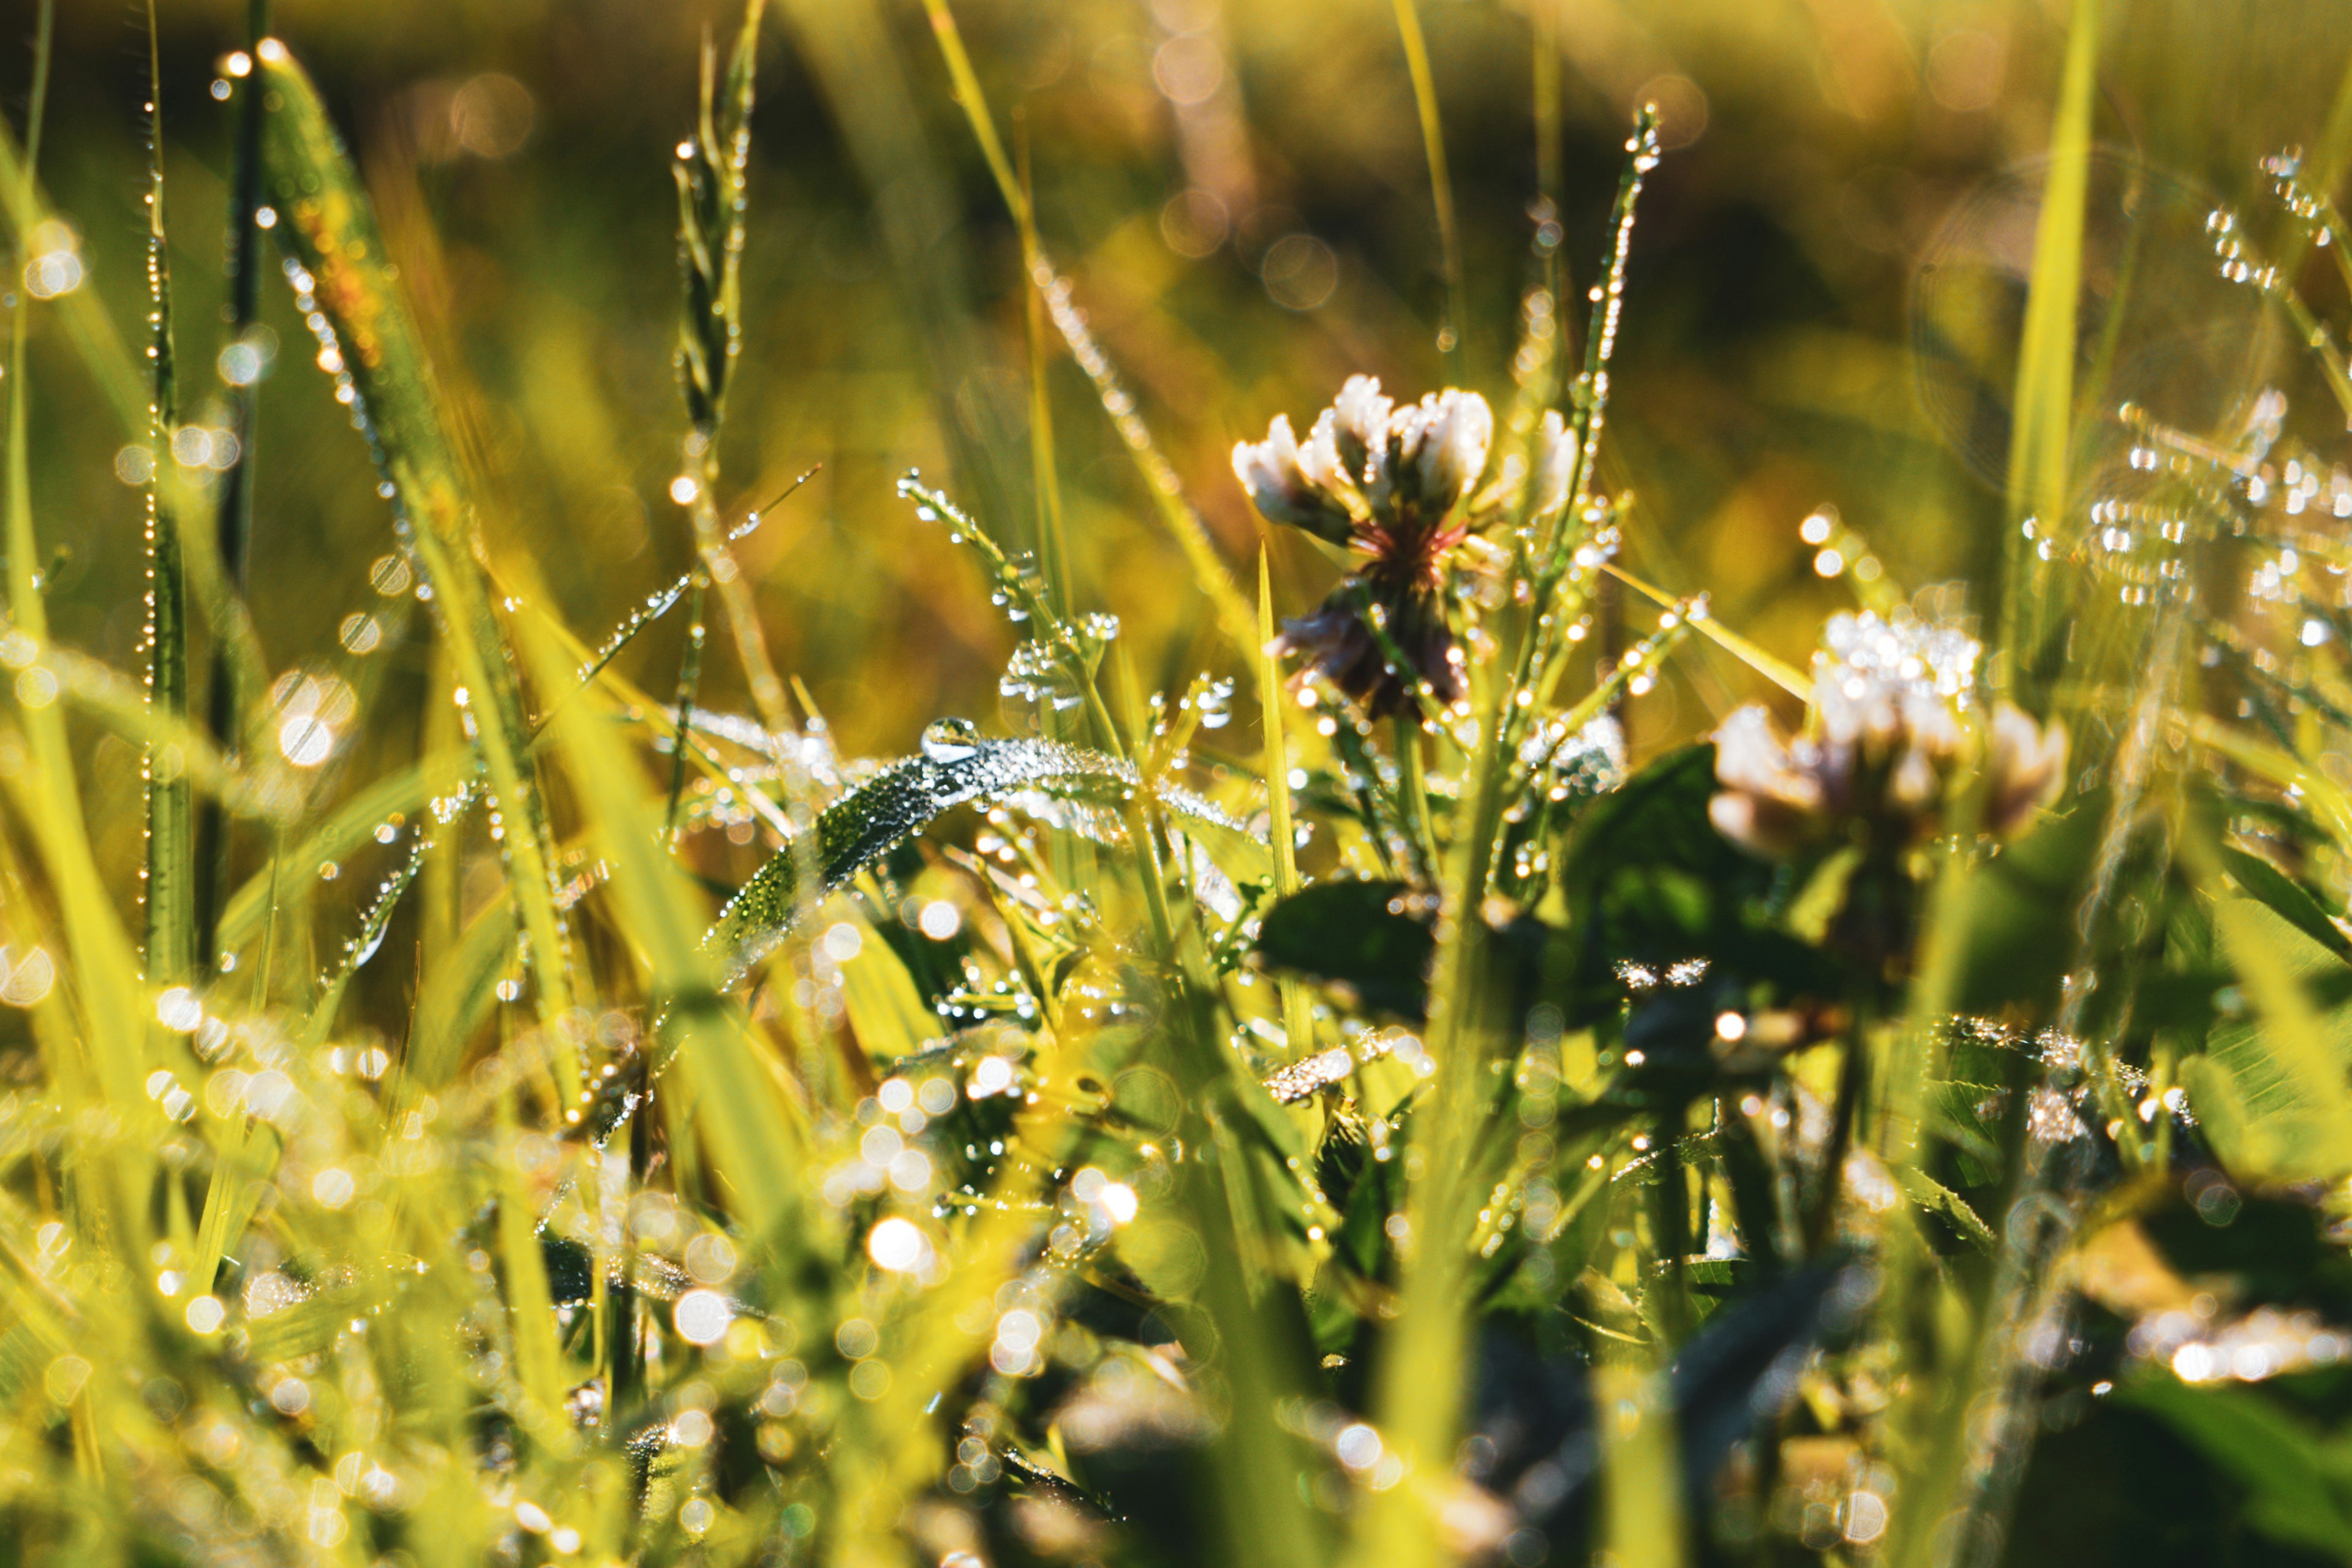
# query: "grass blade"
{"points": [[2044, 402], [327, 224], [874, 819], [1297, 1016], [1160, 478], [102, 967], [225, 696], [744, 1122], [1452, 330]]}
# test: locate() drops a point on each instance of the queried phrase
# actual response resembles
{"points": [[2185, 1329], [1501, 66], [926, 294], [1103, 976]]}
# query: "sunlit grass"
{"points": [[1494, 1036]]}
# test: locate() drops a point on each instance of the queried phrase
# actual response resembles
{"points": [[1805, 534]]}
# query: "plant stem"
{"points": [[233, 518]]}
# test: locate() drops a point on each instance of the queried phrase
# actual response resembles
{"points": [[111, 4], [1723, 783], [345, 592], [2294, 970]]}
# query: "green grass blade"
{"points": [[882, 814], [99, 960], [228, 700], [1297, 1016], [327, 224], [2044, 406], [1452, 331], [743, 1121]]}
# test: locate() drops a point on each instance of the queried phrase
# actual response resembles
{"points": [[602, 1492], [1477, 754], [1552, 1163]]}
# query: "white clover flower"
{"points": [[1886, 733], [1398, 487]]}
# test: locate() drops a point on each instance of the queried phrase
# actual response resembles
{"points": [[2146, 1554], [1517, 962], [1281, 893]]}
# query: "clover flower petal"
{"points": [[1456, 430], [2027, 770], [1555, 465], [1359, 425], [1282, 482]]}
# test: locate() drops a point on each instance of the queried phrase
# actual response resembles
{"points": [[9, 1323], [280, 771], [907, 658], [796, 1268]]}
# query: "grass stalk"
{"points": [[224, 698], [1297, 1016], [1161, 481], [2043, 423], [171, 945], [1452, 330]]}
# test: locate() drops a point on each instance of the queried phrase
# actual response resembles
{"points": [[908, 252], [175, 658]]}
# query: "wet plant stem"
{"points": [[233, 518]]}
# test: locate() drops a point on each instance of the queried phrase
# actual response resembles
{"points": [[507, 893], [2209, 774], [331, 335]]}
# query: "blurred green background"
{"points": [[1240, 194]]}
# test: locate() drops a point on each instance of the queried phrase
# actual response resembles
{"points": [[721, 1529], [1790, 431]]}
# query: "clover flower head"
{"points": [[1398, 486], [1887, 732]]}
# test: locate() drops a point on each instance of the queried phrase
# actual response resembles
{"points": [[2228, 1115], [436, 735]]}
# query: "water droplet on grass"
{"points": [[950, 740]]}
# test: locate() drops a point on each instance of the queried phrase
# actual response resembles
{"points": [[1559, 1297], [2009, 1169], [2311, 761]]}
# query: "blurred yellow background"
{"points": [[1240, 194]]}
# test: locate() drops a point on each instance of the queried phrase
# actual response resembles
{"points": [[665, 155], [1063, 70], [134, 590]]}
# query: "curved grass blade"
{"points": [[874, 819], [330, 231], [47, 797]]}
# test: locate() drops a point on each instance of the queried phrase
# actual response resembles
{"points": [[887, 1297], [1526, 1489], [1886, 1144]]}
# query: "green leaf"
{"points": [[2271, 1089], [2292, 1498], [1936, 1198], [2286, 897], [1358, 934]]}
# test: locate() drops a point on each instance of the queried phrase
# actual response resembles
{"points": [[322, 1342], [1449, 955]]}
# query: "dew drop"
{"points": [[950, 740]]}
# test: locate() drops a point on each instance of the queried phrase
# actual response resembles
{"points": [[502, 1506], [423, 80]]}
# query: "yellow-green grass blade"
{"points": [[2043, 405], [1297, 1017], [99, 963], [1779, 671], [46, 673], [1642, 1482], [743, 1122], [458, 993], [326, 221], [531, 1305], [1452, 331]]}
